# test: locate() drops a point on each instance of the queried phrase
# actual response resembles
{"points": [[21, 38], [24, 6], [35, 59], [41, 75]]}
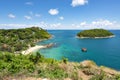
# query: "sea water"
{"points": [[102, 51]]}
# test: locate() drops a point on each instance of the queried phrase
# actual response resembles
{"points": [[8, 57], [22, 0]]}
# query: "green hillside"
{"points": [[21, 67], [15, 40]]}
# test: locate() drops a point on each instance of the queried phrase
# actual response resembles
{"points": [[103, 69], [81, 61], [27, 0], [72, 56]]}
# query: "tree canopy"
{"points": [[95, 33], [13, 40]]}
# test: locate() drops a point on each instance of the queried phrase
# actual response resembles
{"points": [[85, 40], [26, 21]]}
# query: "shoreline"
{"points": [[95, 37], [33, 49], [36, 48]]}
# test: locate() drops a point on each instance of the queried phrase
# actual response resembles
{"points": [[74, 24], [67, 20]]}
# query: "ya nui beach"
{"points": [[36, 48]]}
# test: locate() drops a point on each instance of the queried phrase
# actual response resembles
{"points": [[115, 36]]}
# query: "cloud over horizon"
{"points": [[28, 17], [105, 24]]}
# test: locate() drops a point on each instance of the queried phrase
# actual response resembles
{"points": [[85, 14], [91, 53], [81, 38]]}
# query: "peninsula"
{"points": [[95, 33], [17, 40]]}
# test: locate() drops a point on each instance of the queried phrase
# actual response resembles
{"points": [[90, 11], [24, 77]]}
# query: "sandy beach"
{"points": [[33, 49], [36, 48]]}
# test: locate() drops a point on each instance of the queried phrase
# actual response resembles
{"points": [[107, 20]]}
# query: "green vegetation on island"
{"points": [[16, 40], [95, 33], [21, 67]]}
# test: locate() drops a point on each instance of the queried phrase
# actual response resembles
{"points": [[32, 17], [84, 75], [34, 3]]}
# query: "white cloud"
{"points": [[46, 25], [11, 16], [13, 26], [83, 23], [61, 18], [28, 17], [53, 11], [37, 15], [73, 25], [34, 14], [29, 3], [55, 25], [41, 24], [79, 2], [31, 13], [16, 26], [102, 23], [105, 24]]}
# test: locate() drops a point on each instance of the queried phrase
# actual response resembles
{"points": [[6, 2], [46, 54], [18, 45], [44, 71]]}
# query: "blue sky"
{"points": [[60, 14]]}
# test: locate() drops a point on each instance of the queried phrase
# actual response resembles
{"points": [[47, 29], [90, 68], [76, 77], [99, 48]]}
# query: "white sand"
{"points": [[33, 49], [96, 37]]}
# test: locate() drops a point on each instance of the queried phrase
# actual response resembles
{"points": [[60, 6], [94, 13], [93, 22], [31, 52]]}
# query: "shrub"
{"points": [[56, 73], [117, 77], [64, 60], [101, 76]]}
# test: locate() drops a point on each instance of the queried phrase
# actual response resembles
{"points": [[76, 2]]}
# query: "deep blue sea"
{"points": [[102, 51]]}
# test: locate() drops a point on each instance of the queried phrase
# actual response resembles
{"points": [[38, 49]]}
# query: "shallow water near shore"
{"points": [[102, 51]]}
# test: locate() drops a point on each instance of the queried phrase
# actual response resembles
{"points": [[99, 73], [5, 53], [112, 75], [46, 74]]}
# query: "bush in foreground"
{"points": [[36, 65]]}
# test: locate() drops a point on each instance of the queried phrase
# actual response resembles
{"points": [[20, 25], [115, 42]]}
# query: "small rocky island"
{"points": [[95, 33]]}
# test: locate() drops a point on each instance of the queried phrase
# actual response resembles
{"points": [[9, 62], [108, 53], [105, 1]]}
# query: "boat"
{"points": [[84, 49]]}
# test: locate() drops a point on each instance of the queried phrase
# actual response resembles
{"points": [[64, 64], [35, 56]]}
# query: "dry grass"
{"points": [[76, 71]]}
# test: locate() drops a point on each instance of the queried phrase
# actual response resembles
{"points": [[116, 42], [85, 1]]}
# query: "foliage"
{"points": [[15, 64], [64, 60], [52, 73], [104, 76], [117, 77], [14, 40], [38, 66], [95, 33]]}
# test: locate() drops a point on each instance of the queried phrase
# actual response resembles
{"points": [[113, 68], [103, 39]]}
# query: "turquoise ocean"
{"points": [[104, 52]]}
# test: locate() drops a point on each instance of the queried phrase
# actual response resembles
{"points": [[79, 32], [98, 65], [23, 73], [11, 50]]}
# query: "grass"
{"points": [[36, 65]]}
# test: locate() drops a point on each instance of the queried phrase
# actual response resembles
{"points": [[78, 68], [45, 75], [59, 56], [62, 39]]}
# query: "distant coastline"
{"points": [[95, 37]]}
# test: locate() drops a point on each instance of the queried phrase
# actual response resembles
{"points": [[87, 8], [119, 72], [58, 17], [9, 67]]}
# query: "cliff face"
{"points": [[93, 72]]}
